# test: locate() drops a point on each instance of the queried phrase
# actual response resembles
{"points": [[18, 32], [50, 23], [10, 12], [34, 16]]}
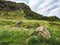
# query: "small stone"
{"points": [[18, 23]]}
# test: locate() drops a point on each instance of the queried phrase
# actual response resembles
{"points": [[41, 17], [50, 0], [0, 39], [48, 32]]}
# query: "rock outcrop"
{"points": [[18, 23], [43, 32]]}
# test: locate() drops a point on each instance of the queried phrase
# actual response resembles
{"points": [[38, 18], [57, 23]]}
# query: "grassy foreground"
{"points": [[12, 35]]}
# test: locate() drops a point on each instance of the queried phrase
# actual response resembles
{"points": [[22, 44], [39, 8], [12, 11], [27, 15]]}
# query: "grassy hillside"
{"points": [[11, 13], [12, 10], [11, 35]]}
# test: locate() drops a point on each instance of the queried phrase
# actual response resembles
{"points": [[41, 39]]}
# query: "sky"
{"points": [[44, 7]]}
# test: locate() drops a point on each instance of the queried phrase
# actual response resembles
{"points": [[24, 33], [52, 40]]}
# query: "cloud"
{"points": [[44, 7], [18, 1], [56, 12]]}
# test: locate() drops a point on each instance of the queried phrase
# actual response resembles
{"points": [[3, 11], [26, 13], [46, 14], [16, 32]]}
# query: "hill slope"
{"points": [[13, 10], [24, 34]]}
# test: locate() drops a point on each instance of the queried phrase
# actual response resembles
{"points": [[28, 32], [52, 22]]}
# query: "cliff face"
{"points": [[7, 5]]}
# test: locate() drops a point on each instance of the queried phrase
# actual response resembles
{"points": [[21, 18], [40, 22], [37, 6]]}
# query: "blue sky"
{"points": [[44, 7]]}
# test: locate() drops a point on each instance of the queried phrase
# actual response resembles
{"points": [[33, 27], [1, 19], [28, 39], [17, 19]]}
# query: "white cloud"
{"points": [[18, 1], [56, 12], [44, 7], [47, 8], [33, 3]]}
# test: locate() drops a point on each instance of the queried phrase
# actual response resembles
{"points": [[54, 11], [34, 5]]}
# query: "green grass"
{"points": [[11, 35], [25, 34], [19, 14]]}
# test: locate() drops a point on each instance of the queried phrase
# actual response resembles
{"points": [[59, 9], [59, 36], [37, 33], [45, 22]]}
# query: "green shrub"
{"points": [[5, 37], [33, 40]]}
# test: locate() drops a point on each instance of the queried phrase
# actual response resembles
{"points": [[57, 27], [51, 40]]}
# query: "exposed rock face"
{"points": [[12, 6], [18, 23], [42, 31]]}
